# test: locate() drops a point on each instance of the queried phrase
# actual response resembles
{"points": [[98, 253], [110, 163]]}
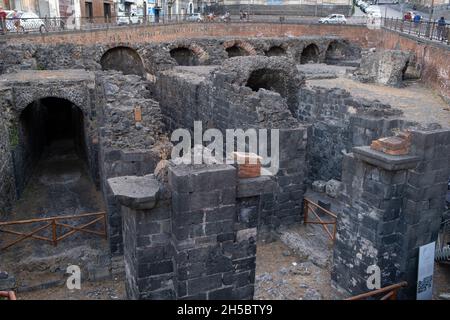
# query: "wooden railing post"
{"points": [[305, 211], [55, 241]]}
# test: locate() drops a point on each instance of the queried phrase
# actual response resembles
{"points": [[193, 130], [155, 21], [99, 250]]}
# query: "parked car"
{"points": [[25, 22], [334, 18], [128, 18], [196, 17]]}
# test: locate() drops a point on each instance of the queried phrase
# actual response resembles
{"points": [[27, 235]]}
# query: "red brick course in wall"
{"points": [[433, 58]]}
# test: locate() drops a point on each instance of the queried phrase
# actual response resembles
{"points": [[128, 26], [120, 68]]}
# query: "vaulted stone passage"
{"points": [[236, 51], [123, 59], [47, 125], [275, 51], [269, 79], [310, 54], [184, 56], [336, 51]]}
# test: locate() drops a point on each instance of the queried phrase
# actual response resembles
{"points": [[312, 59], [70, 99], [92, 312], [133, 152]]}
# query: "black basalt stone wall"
{"points": [[197, 238]]}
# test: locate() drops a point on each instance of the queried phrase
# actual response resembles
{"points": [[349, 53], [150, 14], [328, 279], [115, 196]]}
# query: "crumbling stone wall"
{"points": [[383, 66], [126, 146], [340, 122], [220, 98], [8, 138]]}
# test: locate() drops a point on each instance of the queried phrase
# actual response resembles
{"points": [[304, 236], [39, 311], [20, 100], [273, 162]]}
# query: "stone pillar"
{"points": [[203, 206], [393, 205], [193, 238], [287, 200], [147, 239], [424, 202]]}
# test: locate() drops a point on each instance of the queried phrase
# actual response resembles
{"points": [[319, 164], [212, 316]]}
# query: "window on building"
{"points": [[88, 11], [107, 11]]}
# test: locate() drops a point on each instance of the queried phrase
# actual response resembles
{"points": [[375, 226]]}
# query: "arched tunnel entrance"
{"points": [[50, 158], [276, 80], [269, 79], [336, 52], [236, 51], [184, 56], [48, 127], [275, 51], [123, 59], [310, 54]]}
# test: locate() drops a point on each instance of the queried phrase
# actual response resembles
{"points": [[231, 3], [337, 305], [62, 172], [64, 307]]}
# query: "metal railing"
{"points": [[386, 293], [318, 211], [60, 24], [423, 29], [59, 230]]}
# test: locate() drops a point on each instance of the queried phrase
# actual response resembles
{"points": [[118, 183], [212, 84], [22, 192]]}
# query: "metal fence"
{"points": [[423, 29], [59, 24]]}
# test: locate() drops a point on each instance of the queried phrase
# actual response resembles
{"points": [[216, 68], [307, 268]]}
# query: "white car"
{"points": [[334, 18], [27, 21], [197, 17], [128, 18]]}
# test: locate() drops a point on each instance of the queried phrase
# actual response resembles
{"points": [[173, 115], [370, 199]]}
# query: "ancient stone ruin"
{"points": [[190, 231]]}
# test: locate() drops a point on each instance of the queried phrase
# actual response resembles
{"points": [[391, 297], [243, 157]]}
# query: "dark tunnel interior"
{"points": [[49, 126]]}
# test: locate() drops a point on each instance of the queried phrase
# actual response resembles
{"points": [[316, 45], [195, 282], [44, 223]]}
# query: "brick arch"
{"points": [[123, 58], [76, 95], [201, 54], [310, 52], [244, 45]]}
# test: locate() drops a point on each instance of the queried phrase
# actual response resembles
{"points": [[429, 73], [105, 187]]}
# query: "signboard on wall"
{"points": [[274, 2], [425, 273]]}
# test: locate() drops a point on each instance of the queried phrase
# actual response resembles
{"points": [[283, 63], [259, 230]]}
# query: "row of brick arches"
{"points": [[129, 61]]}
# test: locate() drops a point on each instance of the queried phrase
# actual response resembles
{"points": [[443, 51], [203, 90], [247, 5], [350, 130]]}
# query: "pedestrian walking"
{"points": [[3, 21], [16, 20], [441, 32]]}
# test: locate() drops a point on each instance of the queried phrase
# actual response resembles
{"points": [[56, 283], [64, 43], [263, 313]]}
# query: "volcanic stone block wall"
{"points": [[394, 205], [340, 122], [193, 237]]}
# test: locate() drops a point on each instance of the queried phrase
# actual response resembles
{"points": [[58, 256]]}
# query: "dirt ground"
{"points": [[101, 290], [282, 275], [60, 186]]}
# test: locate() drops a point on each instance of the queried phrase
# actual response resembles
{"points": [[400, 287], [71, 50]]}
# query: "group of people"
{"points": [[441, 29], [243, 15]]}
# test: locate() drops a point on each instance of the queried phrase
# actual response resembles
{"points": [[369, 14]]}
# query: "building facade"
{"points": [[283, 7]]}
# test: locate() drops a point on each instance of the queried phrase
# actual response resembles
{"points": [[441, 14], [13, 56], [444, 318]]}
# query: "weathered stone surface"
{"points": [[319, 186], [333, 188], [135, 192], [386, 161], [383, 66]]}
